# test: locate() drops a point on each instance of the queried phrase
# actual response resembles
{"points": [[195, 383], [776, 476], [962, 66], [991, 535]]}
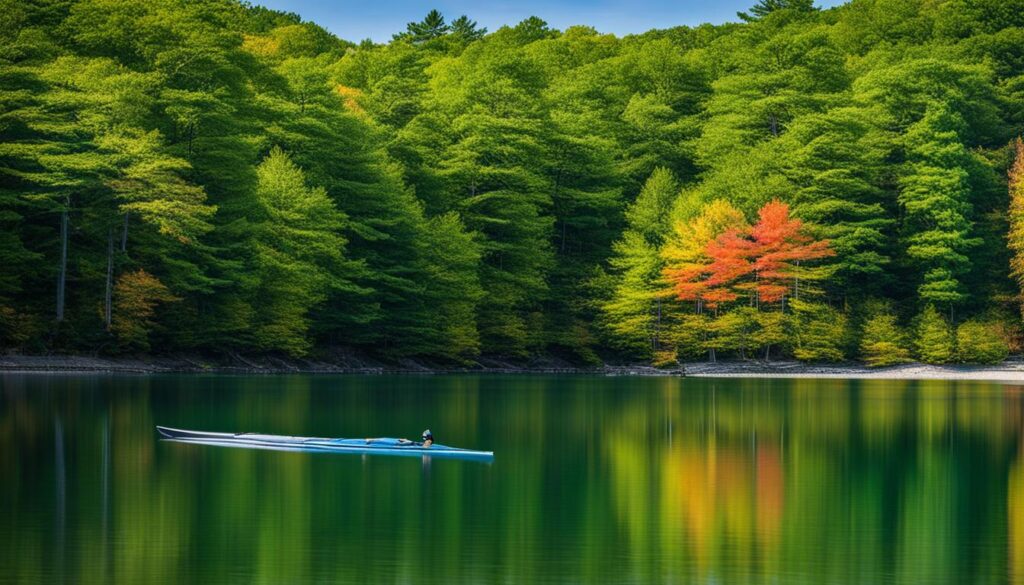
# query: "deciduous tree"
{"points": [[136, 297]]}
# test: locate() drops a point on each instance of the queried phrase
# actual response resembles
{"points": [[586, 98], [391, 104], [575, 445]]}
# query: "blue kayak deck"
{"points": [[374, 446]]}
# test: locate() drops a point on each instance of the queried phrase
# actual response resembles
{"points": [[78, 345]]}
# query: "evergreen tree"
{"points": [[297, 254], [727, 331], [492, 174], [933, 339], [935, 194], [836, 162], [765, 7], [883, 342], [634, 314], [980, 343], [466, 30], [818, 332], [431, 27], [453, 289]]}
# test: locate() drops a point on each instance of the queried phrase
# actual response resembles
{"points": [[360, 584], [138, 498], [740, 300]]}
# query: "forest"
{"points": [[818, 184]]}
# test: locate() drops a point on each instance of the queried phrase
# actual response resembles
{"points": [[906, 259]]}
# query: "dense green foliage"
{"points": [[980, 343], [883, 342], [456, 192], [934, 340]]}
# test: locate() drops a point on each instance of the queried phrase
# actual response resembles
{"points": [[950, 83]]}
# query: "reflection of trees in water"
{"points": [[825, 483], [1014, 414], [595, 479], [60, 514]]}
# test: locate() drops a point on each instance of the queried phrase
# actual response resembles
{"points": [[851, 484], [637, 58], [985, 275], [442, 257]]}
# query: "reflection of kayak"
{"points": [[383, 446]]}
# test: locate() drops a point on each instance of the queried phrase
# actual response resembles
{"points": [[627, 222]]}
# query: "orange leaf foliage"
{"points": [[760, 259], [136, 295]]}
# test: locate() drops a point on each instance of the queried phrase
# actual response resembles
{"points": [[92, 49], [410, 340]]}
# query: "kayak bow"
{"points": [[382, 446]]}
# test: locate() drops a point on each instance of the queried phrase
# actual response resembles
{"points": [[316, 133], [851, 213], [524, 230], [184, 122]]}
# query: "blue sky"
{"points": [[379, 19]]}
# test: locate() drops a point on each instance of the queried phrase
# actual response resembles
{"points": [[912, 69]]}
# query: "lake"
{"points": [[595, 479]]}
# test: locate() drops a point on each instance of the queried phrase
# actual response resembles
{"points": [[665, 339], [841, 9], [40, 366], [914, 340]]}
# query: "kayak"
{"points": [[380, 446]]}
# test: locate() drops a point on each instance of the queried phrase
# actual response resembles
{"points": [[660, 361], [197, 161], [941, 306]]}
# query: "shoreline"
{"points": [[1008, 371], [346, 363]]}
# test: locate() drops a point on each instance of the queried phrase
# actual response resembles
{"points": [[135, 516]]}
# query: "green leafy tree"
{"points": [[728, 332], [836, 163], [934, 338], [771, 330], [636, 309], [883, 342], [819, 332], [1016, 216], [492, 172], [980, 343], [935, 194], [297, 254], [505, 202], [453, 287]]}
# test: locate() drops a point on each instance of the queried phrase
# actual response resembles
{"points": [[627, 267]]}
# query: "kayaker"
{"points": [[426, 440]]}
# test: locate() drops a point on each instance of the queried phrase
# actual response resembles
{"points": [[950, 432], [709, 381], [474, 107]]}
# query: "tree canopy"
{"points": [[821, 184]]}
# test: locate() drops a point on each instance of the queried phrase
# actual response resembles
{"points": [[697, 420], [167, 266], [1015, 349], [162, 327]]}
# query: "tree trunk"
{"points": [[110, 278], [711, 350], [757, 290], [657, 328], [124, 233], [796, 287], [63, 270]]}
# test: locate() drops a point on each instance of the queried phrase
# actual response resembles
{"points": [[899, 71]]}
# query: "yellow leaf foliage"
{"points": [[351, 96], [1016, 235], [136, 296]]}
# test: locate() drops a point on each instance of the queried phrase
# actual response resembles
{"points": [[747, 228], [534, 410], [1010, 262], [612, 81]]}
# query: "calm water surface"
{"points": [[622, 480]]}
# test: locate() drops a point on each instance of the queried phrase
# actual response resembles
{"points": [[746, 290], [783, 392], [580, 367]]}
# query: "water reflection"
{"points": [[596, 480]]}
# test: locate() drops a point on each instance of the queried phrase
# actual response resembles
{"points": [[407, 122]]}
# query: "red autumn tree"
{"points": [[732, 257], [781, 245], [760, 261]]}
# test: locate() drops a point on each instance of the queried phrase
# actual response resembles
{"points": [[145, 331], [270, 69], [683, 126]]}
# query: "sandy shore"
{"points": [[1008, 371]]}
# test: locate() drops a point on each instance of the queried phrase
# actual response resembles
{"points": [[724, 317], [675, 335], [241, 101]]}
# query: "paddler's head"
{"points": [[428, 436]]}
